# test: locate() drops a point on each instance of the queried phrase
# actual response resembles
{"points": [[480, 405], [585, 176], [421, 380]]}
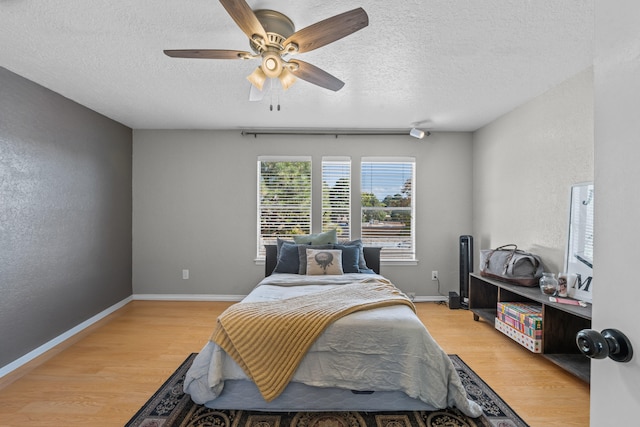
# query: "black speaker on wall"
{"points": [[466, 267]]}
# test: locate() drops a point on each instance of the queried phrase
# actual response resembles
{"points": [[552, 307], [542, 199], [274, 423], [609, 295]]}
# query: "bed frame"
{"points": [[371, 256]]}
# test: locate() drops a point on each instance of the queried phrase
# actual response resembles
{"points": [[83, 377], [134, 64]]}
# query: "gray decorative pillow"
{"points": [[324, 262]]}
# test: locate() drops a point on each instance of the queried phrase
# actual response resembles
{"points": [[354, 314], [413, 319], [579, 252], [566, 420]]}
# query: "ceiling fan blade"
{"points": [[315, 75], [207, 53], [244, 17], [327, 31]]}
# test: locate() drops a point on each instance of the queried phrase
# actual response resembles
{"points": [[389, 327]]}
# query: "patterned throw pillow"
{"points": [[324, 261], [302, 255]]}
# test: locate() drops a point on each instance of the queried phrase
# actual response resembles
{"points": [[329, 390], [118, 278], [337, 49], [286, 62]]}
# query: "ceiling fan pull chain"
{"points": [[277, 100], [271, 101]]}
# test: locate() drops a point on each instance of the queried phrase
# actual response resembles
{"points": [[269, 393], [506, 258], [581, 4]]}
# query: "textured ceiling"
{"points": [[445, 64]]}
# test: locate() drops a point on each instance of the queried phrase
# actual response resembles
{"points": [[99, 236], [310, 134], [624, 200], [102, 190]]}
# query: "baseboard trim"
{"points": [[430, 299], [187, 297], [20, 362], [234, 298]]}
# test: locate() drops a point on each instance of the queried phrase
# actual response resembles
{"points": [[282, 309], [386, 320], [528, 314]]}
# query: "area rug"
{"points": [[170, 407]]}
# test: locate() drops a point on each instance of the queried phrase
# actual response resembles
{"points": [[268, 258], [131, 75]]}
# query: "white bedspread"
{"points": [[384, 349]]}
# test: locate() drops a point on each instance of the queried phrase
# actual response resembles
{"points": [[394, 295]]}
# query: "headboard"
{"points": [[371, 257]]}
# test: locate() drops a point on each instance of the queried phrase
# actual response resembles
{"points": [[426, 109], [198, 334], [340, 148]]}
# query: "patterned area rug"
{"points": [[170, 407]]}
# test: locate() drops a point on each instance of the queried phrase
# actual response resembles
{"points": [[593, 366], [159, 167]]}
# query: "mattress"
{"points": [[387, 351]]}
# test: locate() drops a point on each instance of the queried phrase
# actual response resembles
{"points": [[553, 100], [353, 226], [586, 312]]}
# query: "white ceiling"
{"points": [[451, 65]]}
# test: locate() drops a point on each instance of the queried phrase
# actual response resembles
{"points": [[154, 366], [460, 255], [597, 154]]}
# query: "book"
{"points": [[520, 327], [527, 314]]}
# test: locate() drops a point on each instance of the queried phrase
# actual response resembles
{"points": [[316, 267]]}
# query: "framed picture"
{"points": [[579, 255]]}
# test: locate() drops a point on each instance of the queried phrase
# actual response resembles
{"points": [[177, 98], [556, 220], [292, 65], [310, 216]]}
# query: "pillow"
{"points": [[302, 255], [362, 263], [317, 239], [324, 261], [280, 242], [288, 261], [350, 258]]}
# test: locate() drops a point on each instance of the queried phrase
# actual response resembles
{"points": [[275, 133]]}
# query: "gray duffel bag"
{"points": [[510, 264]]}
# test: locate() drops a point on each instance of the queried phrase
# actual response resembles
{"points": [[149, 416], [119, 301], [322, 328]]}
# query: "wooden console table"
{"points": [[560, 322]]}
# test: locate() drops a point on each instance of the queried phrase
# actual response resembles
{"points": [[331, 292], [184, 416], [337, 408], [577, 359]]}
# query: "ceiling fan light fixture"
{"points": [[286, 78], [271, 64], [257, 78]]}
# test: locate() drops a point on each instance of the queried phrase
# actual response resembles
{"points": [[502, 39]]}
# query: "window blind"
{"points": [[284, 199], [387, 206], [336, 196]]}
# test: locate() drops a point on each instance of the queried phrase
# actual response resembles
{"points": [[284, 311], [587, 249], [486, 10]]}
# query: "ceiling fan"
{"points": [[273, 39]]}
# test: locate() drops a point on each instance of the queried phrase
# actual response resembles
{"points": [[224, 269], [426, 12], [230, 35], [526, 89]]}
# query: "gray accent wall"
{"points": [[195, 205], [65, 215]]}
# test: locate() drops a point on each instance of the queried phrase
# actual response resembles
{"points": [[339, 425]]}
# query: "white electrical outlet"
{"points": [[185, 274], [434, 275]]}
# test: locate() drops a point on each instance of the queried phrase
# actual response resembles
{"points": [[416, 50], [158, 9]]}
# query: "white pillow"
{"points": [[324, 261]]}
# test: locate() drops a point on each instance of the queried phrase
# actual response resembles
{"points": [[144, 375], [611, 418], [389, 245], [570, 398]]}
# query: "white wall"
{"points": [[524, 164], [194, 206]]}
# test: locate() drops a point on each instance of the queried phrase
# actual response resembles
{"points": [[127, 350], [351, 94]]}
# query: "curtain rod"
{"points": [[336, 133]]}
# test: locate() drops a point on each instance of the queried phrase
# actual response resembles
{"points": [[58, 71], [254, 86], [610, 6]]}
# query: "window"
{"points": [[387, 206], [336, 196], [284, 198], [387, 202]]}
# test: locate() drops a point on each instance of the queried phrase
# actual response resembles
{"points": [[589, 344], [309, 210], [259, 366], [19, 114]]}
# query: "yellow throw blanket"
{"points": [[269, 339]]}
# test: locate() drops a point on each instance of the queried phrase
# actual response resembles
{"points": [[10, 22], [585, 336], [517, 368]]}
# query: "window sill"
{"points": [[393, 262]]}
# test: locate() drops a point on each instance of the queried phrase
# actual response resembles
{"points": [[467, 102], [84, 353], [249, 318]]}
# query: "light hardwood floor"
{"points": [[105, 374]]}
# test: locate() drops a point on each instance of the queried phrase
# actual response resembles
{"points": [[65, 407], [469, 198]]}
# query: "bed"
{"points": [[375, 359]]}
